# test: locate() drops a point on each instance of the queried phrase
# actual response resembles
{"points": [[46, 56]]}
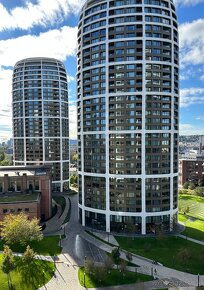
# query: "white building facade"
{"points": [[128, 102], [41, 116]]}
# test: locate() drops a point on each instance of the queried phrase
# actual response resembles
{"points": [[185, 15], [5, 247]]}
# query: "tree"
{"points": [[8, 263], [18, 229], [115, 254], [74, 179], [75, 157], [123, 266], [5, 162], [199, 191], [191, 185], [186, 185], [200, 182], [28, 256], [184, 255], [108, 264], [89, 265]]}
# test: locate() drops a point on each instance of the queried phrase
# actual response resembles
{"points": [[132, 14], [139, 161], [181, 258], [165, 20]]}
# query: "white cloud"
{"points": [[202, 78], [188, 2], [70, 78], [188, 129], [5, 108], [57, 43], [191, 96], [192, 43], [44, 12]]}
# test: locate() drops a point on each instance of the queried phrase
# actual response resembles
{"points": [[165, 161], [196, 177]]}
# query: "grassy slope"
{"points": [[166, 252]]}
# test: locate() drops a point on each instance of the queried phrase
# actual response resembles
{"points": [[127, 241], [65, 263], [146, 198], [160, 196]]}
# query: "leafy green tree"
{"points": [[8, 263], [5, 162], [74, 179], [199, 191], [28, 256], [19, 229], [191, 185], [89, 265], [75, 157], [184, 255], [200, 182], [123, 266], [2, 156], [186, 185], [108, 264]]}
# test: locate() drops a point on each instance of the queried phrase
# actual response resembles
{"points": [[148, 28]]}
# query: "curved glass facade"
{"points": [[128, 101], [41, 116]]}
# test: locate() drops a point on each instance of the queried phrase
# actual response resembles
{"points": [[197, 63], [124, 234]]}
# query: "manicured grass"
{"points": [[114, 278], [166, 251], [194, 229], [27, 281], [182, 218], [195, 205], [19, 197], [48, 246], [61, 201]]}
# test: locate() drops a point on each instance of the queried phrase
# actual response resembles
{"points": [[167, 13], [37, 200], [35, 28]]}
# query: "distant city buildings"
{"points": [[128, 103], [41, 116], [26, 189]]}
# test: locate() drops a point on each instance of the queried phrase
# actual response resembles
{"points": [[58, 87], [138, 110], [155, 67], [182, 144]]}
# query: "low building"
{"points": [[191, 169], [26, 189]]}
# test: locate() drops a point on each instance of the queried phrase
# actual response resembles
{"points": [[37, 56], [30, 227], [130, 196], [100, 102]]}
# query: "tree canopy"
{"points": [[19, 229]]}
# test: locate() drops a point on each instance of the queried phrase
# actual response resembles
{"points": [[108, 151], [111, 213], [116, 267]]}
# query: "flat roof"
{"points": [[13, 197], [20, 170]]}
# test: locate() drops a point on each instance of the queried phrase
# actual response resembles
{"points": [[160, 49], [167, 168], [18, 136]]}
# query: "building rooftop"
{"points": [[19, 197], [20, 170]]}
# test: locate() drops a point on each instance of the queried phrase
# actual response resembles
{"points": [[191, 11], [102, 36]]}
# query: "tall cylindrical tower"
{"points": [[127, 82], [40, 116]]}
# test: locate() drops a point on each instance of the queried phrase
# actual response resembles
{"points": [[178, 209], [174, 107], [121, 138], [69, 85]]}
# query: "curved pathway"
{"points": [[67, 263]]}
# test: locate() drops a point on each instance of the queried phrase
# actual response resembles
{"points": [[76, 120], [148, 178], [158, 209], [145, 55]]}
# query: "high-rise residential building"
{"points": [[127, 82], [41, 116]]}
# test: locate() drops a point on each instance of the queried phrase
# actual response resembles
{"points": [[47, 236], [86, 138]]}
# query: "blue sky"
{"points": [[49, 27]]}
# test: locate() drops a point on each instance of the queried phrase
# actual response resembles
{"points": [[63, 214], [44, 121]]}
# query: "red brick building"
{"points": [[190, 170], [27, 189]]}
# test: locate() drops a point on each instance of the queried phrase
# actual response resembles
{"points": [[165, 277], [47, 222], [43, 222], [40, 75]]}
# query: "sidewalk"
{"points": [[66, 275], [56, 223]]}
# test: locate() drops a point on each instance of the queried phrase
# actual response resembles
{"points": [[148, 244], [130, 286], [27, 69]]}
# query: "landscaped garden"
{"points": [[48, 246], [23, 278], [191, 214], [102, 278], [172, 252]]}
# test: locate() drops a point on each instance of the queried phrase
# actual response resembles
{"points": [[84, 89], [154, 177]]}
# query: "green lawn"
{"points": [[193, 228], [166, 251], [48, 246], [194, 203], [27, 281], [114, 278]]}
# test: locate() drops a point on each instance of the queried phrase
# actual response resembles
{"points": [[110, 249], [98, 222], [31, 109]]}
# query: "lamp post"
{"points": [[198, 280]]}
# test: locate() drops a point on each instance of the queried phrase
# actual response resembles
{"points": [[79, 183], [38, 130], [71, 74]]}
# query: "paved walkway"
{"points": [[56, 223], [66, 275]]}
